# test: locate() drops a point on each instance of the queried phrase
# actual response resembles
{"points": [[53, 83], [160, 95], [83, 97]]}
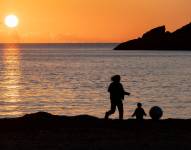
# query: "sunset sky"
{"points": [[89, 20]]}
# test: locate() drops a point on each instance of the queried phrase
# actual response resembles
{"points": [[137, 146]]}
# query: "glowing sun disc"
{"points": [[11, 21]]}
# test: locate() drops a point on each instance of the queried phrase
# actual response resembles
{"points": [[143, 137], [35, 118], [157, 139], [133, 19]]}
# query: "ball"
{"points": [[156, 113]]}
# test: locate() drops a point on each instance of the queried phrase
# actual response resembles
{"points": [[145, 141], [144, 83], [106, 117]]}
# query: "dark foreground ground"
{"points": [[43, 131]]}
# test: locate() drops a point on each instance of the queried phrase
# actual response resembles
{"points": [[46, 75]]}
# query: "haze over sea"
{"points": [[72, 79]]}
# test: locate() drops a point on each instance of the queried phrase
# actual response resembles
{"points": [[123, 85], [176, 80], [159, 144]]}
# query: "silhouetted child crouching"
{"points": [[139, 112]]}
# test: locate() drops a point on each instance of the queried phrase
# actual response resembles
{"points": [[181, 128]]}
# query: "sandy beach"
{"points": [[45, 131]]}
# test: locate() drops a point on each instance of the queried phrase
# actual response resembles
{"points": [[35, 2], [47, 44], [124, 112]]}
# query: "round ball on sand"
{"points": [[156, 113]]}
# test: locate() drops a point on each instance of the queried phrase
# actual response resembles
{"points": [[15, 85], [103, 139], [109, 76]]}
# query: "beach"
{"points": [[45, 131]]}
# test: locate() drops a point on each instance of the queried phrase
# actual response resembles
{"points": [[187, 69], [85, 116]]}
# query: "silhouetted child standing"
{"points": [[139, 112], [117, 94]]}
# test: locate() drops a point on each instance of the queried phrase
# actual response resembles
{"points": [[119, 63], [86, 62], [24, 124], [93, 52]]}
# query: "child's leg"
{"points": [[111, 111], [120, 109]]}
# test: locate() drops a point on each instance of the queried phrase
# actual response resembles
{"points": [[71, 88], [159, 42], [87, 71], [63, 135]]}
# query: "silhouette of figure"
{"points": [[139, 112], [117, 94]]}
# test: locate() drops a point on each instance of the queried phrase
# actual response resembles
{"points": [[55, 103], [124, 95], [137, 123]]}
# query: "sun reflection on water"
{"points": [[10, 85]]}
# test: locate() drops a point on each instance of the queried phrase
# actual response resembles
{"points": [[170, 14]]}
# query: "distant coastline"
{"points": [[160, 39]]}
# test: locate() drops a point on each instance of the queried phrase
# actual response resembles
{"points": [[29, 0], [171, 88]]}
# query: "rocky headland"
{"points": [[160, 39]]}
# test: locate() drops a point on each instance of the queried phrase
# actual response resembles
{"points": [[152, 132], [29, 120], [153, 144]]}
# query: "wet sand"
{"points": [[43, 131]]}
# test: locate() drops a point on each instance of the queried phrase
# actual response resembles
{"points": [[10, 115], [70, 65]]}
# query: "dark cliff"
{"points": [[160, 39]]}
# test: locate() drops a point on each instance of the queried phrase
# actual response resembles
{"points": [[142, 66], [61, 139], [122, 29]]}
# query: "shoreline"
{"points": [[45, 131]]}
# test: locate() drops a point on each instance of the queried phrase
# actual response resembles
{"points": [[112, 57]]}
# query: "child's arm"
{"points": [[133, 115], [126, 93], [144, 113]]}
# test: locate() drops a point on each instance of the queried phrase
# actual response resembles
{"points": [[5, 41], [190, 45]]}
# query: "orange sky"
{"points": [[89, 20]]}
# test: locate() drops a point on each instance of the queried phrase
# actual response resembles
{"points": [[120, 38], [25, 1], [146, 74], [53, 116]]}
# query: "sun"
{"points": [[11, 21]]}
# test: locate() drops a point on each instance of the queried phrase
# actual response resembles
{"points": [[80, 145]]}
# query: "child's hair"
{"points": [[139, 105], [116, 78]]}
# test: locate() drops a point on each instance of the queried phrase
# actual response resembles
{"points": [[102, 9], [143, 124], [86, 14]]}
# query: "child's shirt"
{"points": [[139, 113]]}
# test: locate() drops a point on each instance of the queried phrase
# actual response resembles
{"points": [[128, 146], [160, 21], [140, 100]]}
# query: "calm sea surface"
{"points": [[72, 79]]}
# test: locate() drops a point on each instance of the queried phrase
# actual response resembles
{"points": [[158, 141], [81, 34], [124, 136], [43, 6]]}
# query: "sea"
{"points": [[72, 79]]}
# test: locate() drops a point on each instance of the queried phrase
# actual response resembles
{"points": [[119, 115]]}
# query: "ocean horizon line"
{"points": [[60, 43]]}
